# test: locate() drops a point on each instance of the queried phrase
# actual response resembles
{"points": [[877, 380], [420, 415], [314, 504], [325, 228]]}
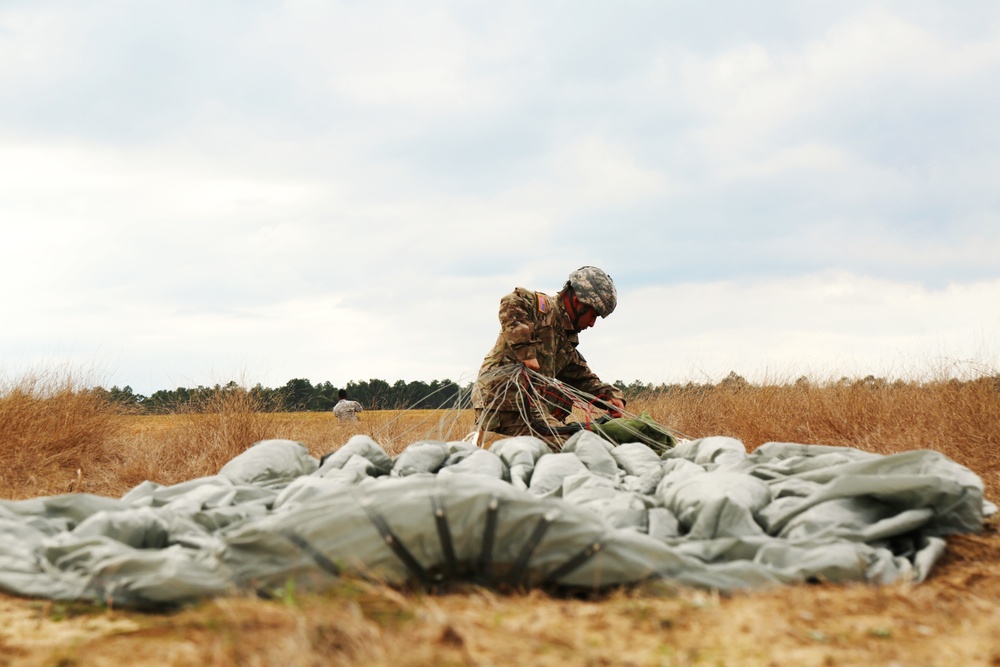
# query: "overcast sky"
{"points": [[193, 192]]}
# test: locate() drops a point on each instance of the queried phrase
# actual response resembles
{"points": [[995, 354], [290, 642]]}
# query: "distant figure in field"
{"points": [[346, 410]]}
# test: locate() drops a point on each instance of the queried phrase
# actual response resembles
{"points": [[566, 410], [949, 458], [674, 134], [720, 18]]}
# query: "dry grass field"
{"points": [[57, 438]]}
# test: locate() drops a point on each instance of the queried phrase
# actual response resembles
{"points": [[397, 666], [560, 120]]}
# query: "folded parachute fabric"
{"points": [[704, 513], [642, 429]]}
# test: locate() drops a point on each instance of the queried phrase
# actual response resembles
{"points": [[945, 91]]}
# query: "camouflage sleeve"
{"points": [[517, 325], [578, 374]]}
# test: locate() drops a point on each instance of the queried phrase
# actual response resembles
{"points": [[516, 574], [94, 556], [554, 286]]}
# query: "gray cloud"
{"points": [[182, 176]]}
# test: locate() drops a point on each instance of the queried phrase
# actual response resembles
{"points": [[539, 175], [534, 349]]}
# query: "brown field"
{"points": [[58, 438]]}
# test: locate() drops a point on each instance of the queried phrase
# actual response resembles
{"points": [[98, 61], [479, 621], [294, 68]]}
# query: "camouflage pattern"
{"points": [[595, 288], [345, 410], [534, 326]]}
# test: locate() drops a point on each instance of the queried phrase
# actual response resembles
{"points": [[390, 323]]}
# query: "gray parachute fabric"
{"points": [[593, 516]]}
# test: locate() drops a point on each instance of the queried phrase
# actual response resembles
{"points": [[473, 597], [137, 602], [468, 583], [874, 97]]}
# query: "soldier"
{"points": [[346, 410], [538, 337]]}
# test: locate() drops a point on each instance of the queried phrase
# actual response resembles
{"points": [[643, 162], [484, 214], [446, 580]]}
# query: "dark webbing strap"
{"points": [[307, 548], [390, 538], [489, 535], [444, 534], [517, 572], [574, 562]]}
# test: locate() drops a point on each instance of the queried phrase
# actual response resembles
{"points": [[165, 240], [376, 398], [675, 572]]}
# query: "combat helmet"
{"points": [[594, 288]]}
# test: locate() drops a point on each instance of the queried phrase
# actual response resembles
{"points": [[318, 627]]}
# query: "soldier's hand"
{"points": [[533, 365], [615, 405]]}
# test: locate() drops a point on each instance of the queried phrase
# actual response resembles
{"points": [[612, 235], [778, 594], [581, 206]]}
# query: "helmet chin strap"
{"points": [[572, 305]]}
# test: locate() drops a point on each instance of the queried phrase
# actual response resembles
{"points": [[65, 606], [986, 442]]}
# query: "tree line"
{"points": [[297, 395], [301, 395]]}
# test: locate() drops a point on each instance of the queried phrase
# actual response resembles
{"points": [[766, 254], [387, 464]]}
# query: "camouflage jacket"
{"points": [[345, 410], [535, 326]]}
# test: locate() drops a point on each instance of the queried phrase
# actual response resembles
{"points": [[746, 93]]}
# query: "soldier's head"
{"points": [[589, 292]]}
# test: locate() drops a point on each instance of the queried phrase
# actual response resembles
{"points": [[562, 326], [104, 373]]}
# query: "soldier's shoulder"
{"points": [[522, 293], [537, 300]]}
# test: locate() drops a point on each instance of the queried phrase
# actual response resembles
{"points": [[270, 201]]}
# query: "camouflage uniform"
{"points": [[345, 410], [532, 326]]}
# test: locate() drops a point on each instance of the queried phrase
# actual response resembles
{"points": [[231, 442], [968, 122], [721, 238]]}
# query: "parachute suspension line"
{"points": [[588, 403], [535, 397], [510, 386], [547, 408], [444, 417], [449, 426]]}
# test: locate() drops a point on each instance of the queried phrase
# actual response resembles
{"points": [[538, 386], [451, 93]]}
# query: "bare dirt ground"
{"points": [[951, 619]]}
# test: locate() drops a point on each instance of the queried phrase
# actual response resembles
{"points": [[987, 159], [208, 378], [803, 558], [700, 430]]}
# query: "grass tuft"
{"points": [[959, 418], [55, 436], [198, 441]]}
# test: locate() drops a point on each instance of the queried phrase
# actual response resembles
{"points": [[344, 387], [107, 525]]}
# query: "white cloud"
{"points": [[341, 191], [820, 324], [34, 44], [753, 98]]}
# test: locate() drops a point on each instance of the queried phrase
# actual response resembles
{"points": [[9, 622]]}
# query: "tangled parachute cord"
{"points": [[545, 406]]}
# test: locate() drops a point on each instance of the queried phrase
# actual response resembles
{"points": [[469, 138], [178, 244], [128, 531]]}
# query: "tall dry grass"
{"points": [[960, 419], [48, 430], [197, 441], [53, 428], [54, 435], [203, 437]]}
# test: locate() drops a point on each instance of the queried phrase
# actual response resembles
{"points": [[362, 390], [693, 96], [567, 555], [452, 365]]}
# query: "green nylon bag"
{"points": [[636, 429]]}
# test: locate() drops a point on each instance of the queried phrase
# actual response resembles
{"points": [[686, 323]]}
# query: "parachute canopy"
{"points": [[704, 513]]}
